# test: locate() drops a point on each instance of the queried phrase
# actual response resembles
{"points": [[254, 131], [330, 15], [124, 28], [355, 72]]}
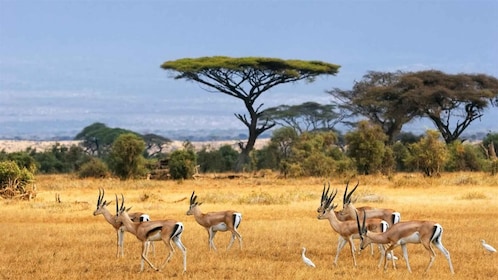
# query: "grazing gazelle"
{"points": [[424, 232], [213, 222], [165, 230], [347, 229], [111, 219]]}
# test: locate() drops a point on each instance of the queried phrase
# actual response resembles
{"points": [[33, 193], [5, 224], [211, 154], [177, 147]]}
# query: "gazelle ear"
{"points": [[128, 209], [108, 203]]}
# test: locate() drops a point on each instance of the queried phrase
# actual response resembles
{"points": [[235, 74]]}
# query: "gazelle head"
{"points": [[101, 203], [362, 230], [327, 204], [193, 204]]}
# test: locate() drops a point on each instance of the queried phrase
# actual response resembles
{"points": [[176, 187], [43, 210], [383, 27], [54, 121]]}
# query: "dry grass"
{"points": [[43, 239]]}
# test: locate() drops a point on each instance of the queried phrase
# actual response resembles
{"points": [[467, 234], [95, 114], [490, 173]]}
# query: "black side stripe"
{"points": [[154, 229]]}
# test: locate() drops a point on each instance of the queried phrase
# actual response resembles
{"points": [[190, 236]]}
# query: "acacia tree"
{"points": [[452, 102], [380, 98], [246, 78], [308, 116]]}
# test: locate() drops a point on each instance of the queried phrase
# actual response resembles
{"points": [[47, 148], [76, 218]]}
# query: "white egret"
{"points": [[307, 261], [488, 247]]}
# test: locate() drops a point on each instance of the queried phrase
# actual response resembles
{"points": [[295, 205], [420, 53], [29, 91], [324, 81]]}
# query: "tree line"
{"points": [[305, 140]]}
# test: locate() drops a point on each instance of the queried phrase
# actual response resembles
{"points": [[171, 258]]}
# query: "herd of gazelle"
{"points": [[169, 231], [378, 226]]}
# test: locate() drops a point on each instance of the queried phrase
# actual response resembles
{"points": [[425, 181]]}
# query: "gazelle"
{"points": [[341, 216], [347, 229], [110, 218], [388, 215], [401, 233], [165, 230], [213, 222]]}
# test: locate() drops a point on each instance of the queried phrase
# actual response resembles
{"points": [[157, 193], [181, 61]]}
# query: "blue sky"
{"points": [[67, 64]]}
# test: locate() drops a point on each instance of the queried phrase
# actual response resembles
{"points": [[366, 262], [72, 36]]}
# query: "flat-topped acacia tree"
{"points": [[246, 78]]}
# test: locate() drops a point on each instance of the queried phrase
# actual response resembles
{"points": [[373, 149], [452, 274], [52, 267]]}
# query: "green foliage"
{"points": [[221, 160], [429, 154], [22, 159], [60, 159], [247, 78], [366, 147], [95, 168], [464, 157], [312, 154], [308, 116], [182, 164], [402, 157], [98, 138], [126, 158], [12, 176]]}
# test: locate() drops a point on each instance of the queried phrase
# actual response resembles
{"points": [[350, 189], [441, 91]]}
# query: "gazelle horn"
{"points": [[347, 198]]}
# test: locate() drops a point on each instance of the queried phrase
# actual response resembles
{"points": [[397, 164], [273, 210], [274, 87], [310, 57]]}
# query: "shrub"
{"points": [[94, 168]]}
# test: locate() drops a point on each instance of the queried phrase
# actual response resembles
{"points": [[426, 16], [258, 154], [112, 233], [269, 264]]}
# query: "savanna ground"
{"points": [[43, 239]]}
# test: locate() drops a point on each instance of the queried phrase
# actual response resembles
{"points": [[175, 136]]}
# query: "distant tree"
{"points": [[309, 116], [126, 159], [312, 154], [429, 154], [60, 159], [464, 157], [220, 160], [94, 168], [98, 138], [154, 144], [366, 146], [247, 78], [391, 100], [182, 164], [380, 98], [452, 102]]}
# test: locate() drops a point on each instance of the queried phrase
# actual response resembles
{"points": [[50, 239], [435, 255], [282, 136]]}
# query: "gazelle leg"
{"points": [[446, 254], [382, 254], [405, 256], [144, 258], [351, 245], [340, 245], [182, 248], [212, 233]]}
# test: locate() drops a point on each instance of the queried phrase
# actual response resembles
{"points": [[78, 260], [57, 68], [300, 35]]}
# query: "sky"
{"points": [[67, 64]]}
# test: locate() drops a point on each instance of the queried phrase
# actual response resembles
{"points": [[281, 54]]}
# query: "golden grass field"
{"points": [[43, 239]]}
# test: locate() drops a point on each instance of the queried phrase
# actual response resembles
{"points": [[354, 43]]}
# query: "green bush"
{"points": [[94, 168], [182, 164]]}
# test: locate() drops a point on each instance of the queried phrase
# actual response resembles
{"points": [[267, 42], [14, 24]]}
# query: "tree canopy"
{"points": [[391, 100], [246, 78]]}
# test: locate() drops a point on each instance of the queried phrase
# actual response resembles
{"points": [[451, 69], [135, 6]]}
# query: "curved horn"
{"points": [[192, 198], [359, 227], [325, 193], [117, 202], [344, 197], [122, 208], [348, 198], [98, 199]]}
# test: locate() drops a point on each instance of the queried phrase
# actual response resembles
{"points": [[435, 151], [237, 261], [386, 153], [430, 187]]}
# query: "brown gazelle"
{"points": [[424, 232], [388, 215], [166, 230], [111, 219], [347, 229], [341, 216], [213, 222]]}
